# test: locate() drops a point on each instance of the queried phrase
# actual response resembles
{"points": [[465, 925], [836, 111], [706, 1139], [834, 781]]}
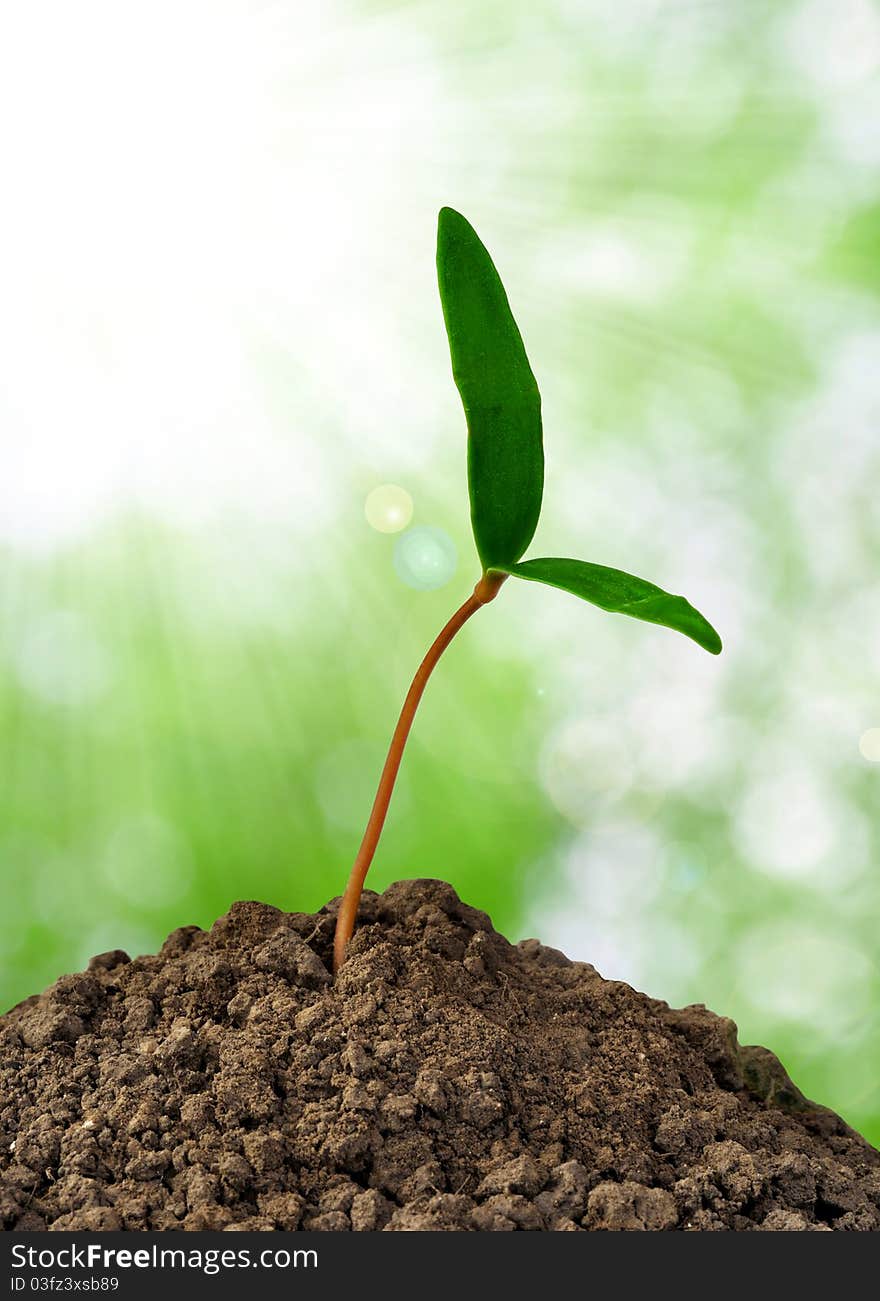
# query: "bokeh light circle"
{"points": [[425, 558], [869, 745], [388, 508]]}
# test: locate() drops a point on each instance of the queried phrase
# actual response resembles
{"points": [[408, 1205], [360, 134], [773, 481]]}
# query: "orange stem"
{"points": [[485, 591]]}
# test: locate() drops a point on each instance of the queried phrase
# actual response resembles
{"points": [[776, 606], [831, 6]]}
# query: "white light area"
{"points": [[869, 745], [586, 765], [852, 376], [616, 954], [186, 185], [615, 869], [852, 128], [666, 35], [828, 447], [855, 644], [146, 862], [785, 825], [665, 512], [835, 42], [793, 826], [58, 658], [346, 777], [636, 256], [712, 558], [388, 508], [552, 628], [621, 25], [425, 558], [815, 712], [802, 971], [583, 500], [871, 649], [679, 736], [680, 416], [605, 907]]}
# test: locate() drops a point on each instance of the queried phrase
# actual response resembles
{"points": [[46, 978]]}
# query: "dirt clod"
{"points": [[448, 1080]]}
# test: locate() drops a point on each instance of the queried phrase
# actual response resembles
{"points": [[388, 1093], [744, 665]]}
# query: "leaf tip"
{"points": [[708, 638], [449, 224]]}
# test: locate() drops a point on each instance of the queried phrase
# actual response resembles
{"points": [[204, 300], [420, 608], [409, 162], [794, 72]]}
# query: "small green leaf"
{"points": [[501, 401], [612, 589]]}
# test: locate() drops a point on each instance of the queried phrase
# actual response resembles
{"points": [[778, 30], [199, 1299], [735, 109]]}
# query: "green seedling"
{"points": [[502, 407]]}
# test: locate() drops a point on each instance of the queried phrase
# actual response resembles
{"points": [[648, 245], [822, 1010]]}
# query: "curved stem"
{"points": [[485, 591]]}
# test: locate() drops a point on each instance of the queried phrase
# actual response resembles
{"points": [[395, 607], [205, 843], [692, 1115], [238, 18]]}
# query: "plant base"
{"points": [[447, 1080]]}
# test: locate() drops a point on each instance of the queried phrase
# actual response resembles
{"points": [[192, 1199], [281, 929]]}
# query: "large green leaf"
{"points": [[499, 393], [612, 589]]}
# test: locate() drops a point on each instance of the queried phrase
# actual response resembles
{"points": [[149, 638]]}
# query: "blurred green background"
{"points": [[221, 335]]}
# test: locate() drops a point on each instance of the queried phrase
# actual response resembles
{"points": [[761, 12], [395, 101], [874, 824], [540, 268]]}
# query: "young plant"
{"points": [[502, 407]]}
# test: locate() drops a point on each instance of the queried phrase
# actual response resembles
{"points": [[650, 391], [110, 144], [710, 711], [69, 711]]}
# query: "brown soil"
{"points": [[448, 1080]]}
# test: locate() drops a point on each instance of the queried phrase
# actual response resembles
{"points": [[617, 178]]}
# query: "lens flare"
{"points": [[388, 508], [425, 558]]}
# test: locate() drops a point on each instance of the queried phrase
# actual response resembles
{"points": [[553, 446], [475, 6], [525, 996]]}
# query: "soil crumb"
{"points": [[448, 1081]]}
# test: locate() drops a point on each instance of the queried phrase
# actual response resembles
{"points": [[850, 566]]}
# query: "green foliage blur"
{"points": [[227, 384]]}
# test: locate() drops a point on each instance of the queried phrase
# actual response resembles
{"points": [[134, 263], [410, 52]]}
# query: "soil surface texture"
{"points": [[448, 1080]]}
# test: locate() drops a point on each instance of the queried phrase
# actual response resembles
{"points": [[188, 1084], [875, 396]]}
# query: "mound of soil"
{"points": [[448, 1080]]}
